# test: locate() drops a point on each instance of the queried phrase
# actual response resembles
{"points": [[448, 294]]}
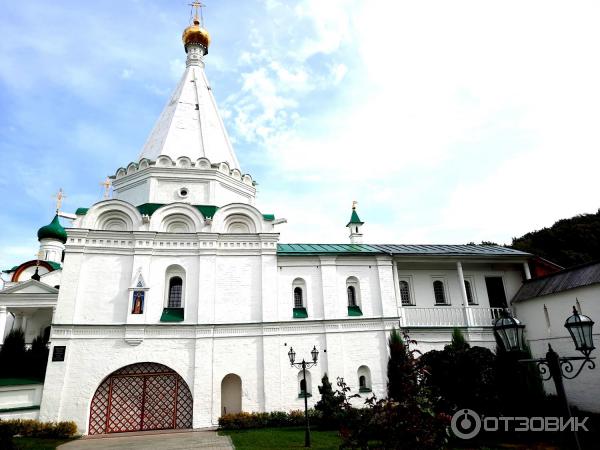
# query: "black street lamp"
{"points": [[510, 333], [304, 365]]}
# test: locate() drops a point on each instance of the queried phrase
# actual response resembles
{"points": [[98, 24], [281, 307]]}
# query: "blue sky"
{"points": [[448, 122]]}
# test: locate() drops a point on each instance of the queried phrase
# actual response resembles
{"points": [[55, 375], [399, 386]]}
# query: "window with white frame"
{"points": [[175, 292], [439, 292], [405, 295], [299, 293], [364, 379], [469, 290], [353, 291], [174, 287], [298, 297]]}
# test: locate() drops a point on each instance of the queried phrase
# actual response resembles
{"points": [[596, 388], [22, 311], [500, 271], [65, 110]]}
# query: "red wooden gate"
{"points": [[145, 396]]}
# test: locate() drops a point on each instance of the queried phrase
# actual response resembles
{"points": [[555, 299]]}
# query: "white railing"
{"points": [[449, 316]]}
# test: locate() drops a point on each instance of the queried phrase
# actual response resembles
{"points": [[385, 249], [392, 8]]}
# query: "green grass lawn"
{"points": [[279, 438], [27, 443]]}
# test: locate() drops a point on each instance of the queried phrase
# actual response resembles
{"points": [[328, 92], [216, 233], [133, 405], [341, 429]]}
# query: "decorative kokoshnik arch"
{"points": [[139, 397]]}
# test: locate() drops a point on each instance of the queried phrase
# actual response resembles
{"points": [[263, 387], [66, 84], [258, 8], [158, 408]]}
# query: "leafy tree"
{"points": [[461, 376], [519, 386], [567, 242], [329, 405], [13, 361], [402, 379], [406, 419], [37, 358]]}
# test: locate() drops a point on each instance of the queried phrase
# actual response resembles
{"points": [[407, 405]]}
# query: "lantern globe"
{"points": [[580, 328], [314, 353], [509, 332], [292, 355]]}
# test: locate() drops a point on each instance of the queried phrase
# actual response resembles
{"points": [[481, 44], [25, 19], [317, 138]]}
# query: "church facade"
{"points": [[173, 302]]}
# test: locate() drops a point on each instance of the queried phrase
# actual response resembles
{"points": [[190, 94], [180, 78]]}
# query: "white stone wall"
{"points": [[257, 355], [541, 330]]}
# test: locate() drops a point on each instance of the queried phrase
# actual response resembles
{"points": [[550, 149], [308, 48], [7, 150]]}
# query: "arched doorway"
{"points": [[231, 394], [144, 396]]}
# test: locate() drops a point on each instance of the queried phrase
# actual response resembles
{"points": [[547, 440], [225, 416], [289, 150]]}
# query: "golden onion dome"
{"points": [[195, 34]]}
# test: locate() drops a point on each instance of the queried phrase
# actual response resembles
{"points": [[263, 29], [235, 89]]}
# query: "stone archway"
{"points": [[231, 394], [139, 397]]}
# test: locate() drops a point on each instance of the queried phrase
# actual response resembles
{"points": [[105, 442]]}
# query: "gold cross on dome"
{"points": [[354, 203], [60, 196], [197, 7], [106, 184]]}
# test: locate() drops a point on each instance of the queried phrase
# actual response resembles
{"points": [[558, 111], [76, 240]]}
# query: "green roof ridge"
{"points": [[54, 230]]}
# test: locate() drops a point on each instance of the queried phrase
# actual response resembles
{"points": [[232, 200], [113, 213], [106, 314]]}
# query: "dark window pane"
{"points": [[495, 291], [404, 293], [351, 296], [469, 292], [298, 303], [175, 290], [438, 292]]}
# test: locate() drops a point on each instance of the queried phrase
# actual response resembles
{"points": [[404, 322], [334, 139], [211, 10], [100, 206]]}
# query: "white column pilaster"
{"points": [[3, 317], [18, 322], [463, 292], [527, 271]]}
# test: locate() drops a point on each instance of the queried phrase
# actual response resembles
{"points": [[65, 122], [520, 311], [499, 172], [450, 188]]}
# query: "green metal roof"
{"points": [[53, 230], [172, 315], [354, 219], [399, 250], [151, 208]]}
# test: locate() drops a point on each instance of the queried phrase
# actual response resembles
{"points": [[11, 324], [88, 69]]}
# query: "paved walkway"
{"points": [[185, 440]]}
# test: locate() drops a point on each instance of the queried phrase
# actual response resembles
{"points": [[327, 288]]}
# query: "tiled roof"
{"points": [[566, 279], [400, 250]]}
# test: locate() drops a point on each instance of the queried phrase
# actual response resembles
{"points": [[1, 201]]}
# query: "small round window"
{"points": [[183, 192]]}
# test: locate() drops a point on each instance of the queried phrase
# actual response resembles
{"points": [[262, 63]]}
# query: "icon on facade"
{"points": [[138, 302]]}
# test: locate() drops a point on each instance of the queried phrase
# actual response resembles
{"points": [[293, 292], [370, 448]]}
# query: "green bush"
{"points": [[245, 420], [35, 428]]}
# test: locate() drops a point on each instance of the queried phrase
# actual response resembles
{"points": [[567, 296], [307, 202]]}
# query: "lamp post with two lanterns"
{"points": [[509, 331], [304, 365]]}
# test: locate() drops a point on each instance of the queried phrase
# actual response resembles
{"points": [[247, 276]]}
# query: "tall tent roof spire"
{"points": [[190, 124], [354, 219]]}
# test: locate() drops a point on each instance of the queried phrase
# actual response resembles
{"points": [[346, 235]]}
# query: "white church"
{"points": [[173, 302]]}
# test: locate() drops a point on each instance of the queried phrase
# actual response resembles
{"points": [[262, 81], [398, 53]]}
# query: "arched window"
{"points": [[353, 291], [405, 293], [351, 296], [298, 301], [439, 292], [175, 292], [469, 292], [364, 379], [304, 388], [299, 298]]}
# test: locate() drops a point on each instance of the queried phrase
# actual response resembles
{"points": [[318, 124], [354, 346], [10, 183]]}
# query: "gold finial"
{"points": [[60, 196], [106, 184], [354, 203], [39, 255]]}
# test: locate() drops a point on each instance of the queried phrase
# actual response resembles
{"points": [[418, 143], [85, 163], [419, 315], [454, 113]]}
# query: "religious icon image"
{"points": [[138, 302]]}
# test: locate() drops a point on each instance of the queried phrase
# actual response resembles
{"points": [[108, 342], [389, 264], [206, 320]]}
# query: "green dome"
{"points": [[53, 230]]}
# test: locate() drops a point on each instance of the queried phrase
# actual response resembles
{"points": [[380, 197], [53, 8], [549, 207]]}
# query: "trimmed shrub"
{"points": [[33, 428], [245, 420]]}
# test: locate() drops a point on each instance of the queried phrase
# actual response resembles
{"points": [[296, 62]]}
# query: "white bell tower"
{"points": [[354, 226]]}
